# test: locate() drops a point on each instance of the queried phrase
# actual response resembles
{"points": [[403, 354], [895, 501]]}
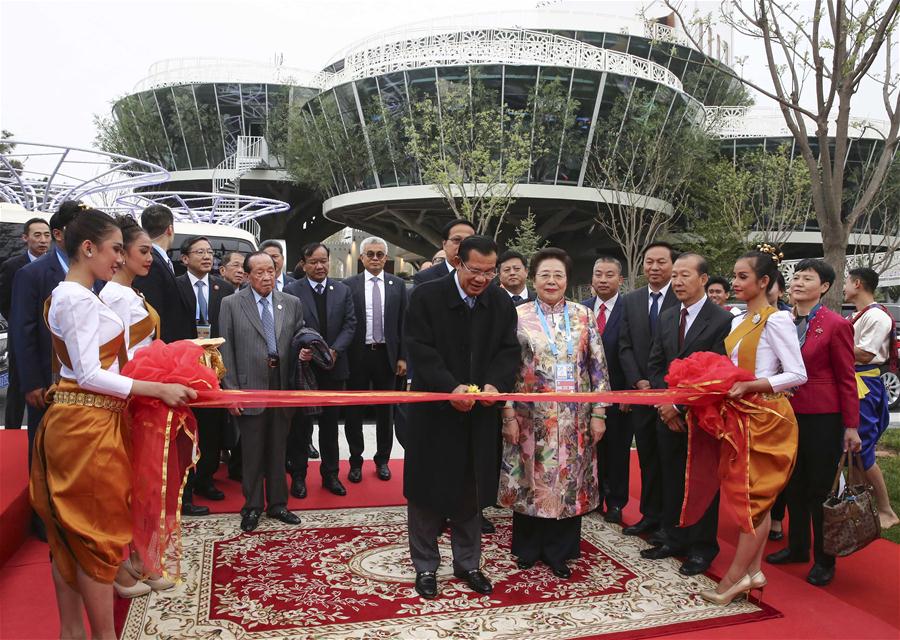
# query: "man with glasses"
{"points": [[376, 354], [459, 331], [204, 292], [513, 273], [232, 269], [453, 233]]}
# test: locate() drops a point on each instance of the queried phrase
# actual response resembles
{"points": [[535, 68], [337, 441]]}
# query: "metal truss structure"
{"points": [[491, 46], [39, 177]]}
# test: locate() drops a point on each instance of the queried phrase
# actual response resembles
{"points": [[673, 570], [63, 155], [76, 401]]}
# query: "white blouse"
{"points": [[130, 307], [778, 356], [84, 323]]}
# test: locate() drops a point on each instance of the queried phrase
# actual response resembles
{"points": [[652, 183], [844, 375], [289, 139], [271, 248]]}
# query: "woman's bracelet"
{"points": [[599, 416]]}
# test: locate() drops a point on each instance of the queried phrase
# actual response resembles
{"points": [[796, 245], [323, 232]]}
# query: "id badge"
{"points": [[203, 331], [565, 378]]}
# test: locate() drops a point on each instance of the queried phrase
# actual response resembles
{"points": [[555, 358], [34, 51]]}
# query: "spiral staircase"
{"points": [[251, 152]]}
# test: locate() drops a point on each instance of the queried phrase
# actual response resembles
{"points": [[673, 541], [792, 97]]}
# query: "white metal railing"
{"points": [[252, 152], [231, 210], [755, 122], [178, 71], [492, 46], [664, 33]]}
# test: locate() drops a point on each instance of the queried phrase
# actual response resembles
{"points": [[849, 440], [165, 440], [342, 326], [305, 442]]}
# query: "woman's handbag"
{"points": [[851, 516]]}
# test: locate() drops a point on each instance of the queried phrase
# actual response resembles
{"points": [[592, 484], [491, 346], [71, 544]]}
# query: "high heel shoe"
{"points": [[758, 582], [739, 588], [136, 590], [156, 584]]}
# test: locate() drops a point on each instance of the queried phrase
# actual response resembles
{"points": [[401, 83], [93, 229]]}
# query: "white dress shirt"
{"points": [[81, 320], [650, 293], [194, 280], [270, 298], [778, 356], [279, 281], [31, 256], [313, 284], [130, 307], [370, 316], [523, 293], [693, 311], [608, 305]]}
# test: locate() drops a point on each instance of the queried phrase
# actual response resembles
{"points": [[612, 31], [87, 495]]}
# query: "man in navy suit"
{"points": [[274, 249], [328, 309], [376, 354], [29, 337], [513, 272], [452, 234], [640, 315], [37, 238], [614, 450]]}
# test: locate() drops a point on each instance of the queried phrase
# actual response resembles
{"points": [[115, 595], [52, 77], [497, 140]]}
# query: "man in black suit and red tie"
{"points": [[640, 315], [614, 450], [513, 274], [453, 233], [376, 355]]}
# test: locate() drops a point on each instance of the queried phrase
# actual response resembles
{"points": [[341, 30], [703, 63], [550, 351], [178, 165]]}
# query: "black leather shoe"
{"points": [[693, 566], [476, 580], [787, 556], [298, 487], [562, 572], [313, 453], [524, 565], [776, 535], [383, 472], [355, 475], [426, 584], [210, 492], [235, 474], [334, 485], [250, 520], [614, 515], [657, 538], [191, 509], [487, 526], [820, 575], [641, 526], [285, 516], [659, 552]]}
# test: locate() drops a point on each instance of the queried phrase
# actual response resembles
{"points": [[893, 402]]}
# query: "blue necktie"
{"points": [[654, 311], [268, 323], [201, 302], [470, 301]]}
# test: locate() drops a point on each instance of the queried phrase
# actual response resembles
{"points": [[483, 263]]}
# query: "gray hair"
{"points": [[372, 240], [608, 259]]}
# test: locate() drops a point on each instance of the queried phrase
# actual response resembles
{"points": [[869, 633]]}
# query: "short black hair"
{"points": [[156, 219], [823, 269], [702, 264], [673, 252], [253, 255], [190, 242], [27, 227], [90, 224], [65, 214], [867, 277], [312, 247], [226, 258], [272, 243], [719, 280], [550, 253], [509, 254], [445, 231], [482, 244]]}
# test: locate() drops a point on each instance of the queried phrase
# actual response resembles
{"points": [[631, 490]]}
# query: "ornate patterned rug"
{"points": [[346, 574]]}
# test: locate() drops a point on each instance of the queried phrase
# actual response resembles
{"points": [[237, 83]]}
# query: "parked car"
{"points": [[891, 376]]}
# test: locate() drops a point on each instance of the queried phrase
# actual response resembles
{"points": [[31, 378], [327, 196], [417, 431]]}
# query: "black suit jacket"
{"points": [[341, 320], [29, 336], [434, 272], [160, 288], [394, 292], [707, 333], [611, 342], [218, 289], [7, 272], [634, 336]]}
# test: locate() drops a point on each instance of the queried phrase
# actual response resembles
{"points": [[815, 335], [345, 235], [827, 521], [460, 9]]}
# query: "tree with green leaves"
{"points": [[526, 240]]}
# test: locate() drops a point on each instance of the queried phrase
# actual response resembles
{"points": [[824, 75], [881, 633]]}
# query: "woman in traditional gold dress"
{"points": [[763, 341], [81, 475]]}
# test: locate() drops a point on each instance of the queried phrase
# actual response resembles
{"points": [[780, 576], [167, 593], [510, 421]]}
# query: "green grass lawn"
{"points": [[890, 467]]}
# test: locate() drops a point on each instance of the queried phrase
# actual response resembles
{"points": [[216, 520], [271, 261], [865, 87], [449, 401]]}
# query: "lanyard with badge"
{"points": [[564, 371]]}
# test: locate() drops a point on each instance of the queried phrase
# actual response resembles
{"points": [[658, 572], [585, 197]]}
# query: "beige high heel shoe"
{"points": [[156, 584], [136, 590], [739, 588], [758, 582]]}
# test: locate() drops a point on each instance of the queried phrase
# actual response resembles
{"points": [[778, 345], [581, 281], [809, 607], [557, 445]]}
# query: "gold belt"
{"points": [[773, 396], [82, 399]]}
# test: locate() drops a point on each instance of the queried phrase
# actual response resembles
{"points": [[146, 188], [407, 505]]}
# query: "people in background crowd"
{"points": [[873, 340], [513, 271], [276, 250], [439, 256], [776, 293], [549, 471], [453, 233], [718, 289], [232, 269]]}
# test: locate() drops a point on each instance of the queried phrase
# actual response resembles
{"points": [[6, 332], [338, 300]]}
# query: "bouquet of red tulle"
{"points": [[163, 444]]}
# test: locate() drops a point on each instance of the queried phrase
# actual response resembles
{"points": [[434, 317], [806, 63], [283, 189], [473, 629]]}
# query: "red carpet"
{"points": [[860, 603], [15, 510]]}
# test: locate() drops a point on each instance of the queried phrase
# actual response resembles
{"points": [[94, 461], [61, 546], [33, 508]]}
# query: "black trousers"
{"points": [[15, 398], [614, 459], [546, 539], [301, 425], [643, 421], [821, 440], [778, 508], [700, 538], [370, 369], [34, 421], [211, 424]]}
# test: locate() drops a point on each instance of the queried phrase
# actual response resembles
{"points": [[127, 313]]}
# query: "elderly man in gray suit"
{"points": [[258, 324]]}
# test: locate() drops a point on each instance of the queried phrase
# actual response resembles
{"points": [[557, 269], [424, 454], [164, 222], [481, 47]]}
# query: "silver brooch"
{"points": [[819, 330], [756, 318]]}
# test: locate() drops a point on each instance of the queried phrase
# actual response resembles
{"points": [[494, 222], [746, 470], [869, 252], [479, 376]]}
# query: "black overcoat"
{"points": [[447, 345]]}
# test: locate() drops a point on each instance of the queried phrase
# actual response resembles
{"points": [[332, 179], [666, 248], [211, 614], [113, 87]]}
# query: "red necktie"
{"points": [[681, 328], [601, 319]]}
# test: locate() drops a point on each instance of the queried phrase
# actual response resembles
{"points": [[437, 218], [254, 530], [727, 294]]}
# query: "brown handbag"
{"points": [[851, 517]]}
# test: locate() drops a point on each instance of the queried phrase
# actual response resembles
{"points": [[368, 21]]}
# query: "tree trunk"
{"points": [[834, 242]]}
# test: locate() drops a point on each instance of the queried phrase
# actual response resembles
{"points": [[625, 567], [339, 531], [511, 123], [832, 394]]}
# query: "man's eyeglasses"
{"points": [[202, 252], [478, 273], [375, 255]]}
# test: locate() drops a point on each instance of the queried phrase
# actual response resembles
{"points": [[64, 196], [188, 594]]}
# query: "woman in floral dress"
{"points": [[549, 469]]}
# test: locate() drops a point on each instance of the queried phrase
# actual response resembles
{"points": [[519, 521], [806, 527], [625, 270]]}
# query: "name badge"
{"points": [[565, 378], [203, 331]]}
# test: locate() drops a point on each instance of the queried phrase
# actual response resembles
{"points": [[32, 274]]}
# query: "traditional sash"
{"points": [[109, 352], [148, 326], [862, 389], [748, 334]]}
